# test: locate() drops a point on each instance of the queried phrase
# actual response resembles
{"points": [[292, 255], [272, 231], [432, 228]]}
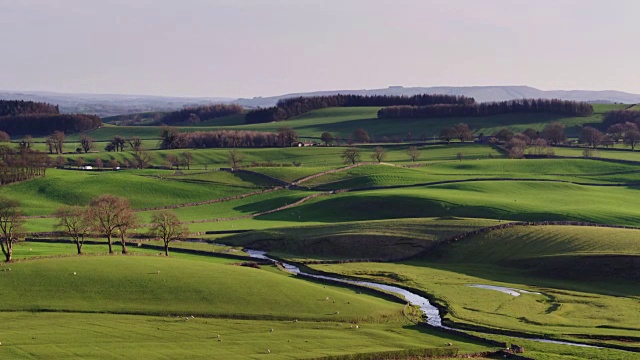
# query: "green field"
{"points": [[240, 304], [576, 297], [388, 239], [585, 279]]}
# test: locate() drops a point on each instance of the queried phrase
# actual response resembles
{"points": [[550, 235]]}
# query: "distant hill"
{"points": [[105, 105], [479, 93]]}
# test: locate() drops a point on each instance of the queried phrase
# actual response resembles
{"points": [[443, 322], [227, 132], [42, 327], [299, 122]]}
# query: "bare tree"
{"points": [[327, 138], [166, 225], [99, 163], [106, 212], [379, 154], [631, 138], [515, 148], [27, 141], [125, 223], [10, 224], [86, 142], [58, 137], [79, 162], [172, 161], [463, 132], [141, 158], [234, 158], [540, 147], [118, 142], [361, 135], [591, 136], [187, 157], [60, 161], [75, 222], [135, 142], [287, 136], [350, 156], [55, 142], [448, 134], [51, 143], [413, 153], [554, 133]]}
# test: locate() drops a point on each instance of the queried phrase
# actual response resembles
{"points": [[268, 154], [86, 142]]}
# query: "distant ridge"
{"points": [[480, 93], [105, 105]]}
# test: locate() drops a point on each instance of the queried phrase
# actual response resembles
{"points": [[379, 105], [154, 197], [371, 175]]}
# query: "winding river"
{"points": [[431, 312]]}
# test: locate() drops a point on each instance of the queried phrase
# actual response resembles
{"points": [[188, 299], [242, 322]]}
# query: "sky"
{"points": [[245, 48]]}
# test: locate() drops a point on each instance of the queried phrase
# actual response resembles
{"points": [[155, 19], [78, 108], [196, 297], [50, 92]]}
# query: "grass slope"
{"points": [[182, 287], [367, 239], [343, 121], [574, 252], [41, 196], [503, 200], [100, 336], [572, 170]]}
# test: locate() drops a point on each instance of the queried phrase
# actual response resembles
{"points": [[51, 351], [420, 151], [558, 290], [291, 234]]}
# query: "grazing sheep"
{"points": [[326, 299], [271, 330], [158, 271], [74, 273], [448, 344], [357, 327], [337, 312], [218, 336], [268, 351]]}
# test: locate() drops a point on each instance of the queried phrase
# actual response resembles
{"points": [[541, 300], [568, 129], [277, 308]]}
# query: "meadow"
{"points": [[405, 215]]}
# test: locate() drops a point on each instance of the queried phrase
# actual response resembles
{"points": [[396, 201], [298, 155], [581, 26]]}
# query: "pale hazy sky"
{"points": [[247, 48]]}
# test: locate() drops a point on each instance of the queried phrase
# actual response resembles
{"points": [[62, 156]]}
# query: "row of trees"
{"points": [[351, 155], [628, 133], [460, 131], [21, 164], [554, 106], [288, 108], [194, 115], [42, 124], [620, 117], [170, 138], [106, 215], [21, 107]]}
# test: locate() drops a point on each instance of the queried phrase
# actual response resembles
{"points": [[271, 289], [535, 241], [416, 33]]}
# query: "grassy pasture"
{"points": [[101, 336], [344, 121], [600, 153], [319, 156], [574, 301], [556, 312], [41, 196], [366, 239], [578, 170], [183, 287], [502, 200]]}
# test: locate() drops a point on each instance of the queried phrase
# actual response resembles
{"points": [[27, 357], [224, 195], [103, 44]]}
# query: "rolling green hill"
{"points": [[386, 239]]}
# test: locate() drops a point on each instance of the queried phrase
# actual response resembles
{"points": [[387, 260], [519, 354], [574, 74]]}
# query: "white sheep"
{"points": [[271, 330], [268, 351]]}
